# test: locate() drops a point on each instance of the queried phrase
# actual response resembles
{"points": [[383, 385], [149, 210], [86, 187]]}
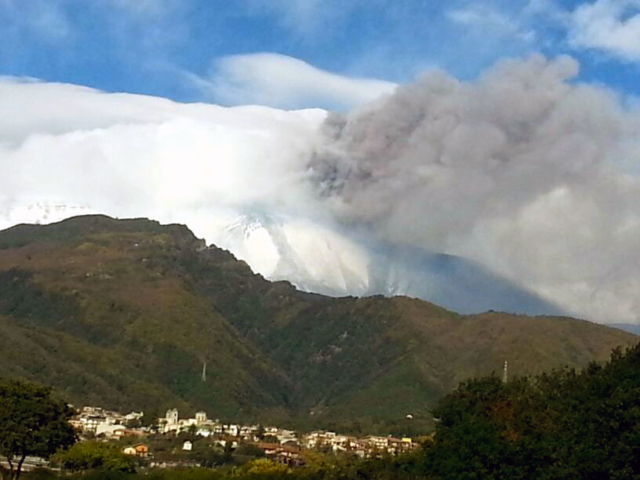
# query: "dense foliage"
{"points": [[321, 468], [562, 424], [91, 455], [32, 423]]}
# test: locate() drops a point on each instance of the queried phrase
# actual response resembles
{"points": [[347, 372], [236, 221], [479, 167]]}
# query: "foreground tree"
{"points": [[32, 423], [564, 424], [150, 420], [263, 468], [105, 457]]}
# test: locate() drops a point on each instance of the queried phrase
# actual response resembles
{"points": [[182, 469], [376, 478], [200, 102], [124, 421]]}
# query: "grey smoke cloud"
{"points": [[523, 170]]}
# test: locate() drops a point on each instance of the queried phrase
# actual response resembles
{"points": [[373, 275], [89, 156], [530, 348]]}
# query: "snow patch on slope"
{"points": [[310, 256]]}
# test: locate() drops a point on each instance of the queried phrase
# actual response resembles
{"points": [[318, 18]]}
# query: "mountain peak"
{"points": [[76, 228]]}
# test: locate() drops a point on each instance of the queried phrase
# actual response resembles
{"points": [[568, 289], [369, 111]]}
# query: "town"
{"points": [[278, 444]]}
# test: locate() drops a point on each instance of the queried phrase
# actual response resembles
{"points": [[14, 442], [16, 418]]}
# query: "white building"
{"points": [[172, 422], [201, 418], [108, 430]]}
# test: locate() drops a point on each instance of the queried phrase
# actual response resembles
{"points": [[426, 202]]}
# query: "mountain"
{"points": [[627, 327], [125, 313], [336, 263]]}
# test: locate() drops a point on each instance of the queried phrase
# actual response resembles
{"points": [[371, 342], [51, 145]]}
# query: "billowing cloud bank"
{"points": [[523, 171], [133, 155]]}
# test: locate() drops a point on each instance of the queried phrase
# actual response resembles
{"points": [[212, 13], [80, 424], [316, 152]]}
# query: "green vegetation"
{"points": [[124, 313], [32, 423], [562, 424], [319, 468], [103, 457]]}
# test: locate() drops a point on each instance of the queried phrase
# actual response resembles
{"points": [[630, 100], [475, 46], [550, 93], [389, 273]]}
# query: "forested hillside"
{"points": [[125, 313]]}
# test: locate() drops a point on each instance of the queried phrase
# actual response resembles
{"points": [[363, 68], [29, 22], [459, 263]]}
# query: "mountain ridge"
{"points": [[329, 260], [126, 312]]}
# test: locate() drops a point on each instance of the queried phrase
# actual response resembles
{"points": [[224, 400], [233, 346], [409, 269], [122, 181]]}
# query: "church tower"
{"points": [[201, 417], [172, 416]]}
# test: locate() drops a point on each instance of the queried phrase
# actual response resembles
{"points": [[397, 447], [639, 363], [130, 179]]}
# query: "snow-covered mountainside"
{"points": [[310, 256], [321, 260]]}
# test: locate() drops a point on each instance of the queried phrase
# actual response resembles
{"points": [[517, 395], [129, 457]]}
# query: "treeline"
{"points": [[564, 424]]}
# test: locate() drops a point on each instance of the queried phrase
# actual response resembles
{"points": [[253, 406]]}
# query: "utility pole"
{"points": [[204, 372], [504, 373]]}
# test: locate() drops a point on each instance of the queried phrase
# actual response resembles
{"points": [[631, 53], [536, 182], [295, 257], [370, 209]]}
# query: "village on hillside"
{"points": [[201, 433]]}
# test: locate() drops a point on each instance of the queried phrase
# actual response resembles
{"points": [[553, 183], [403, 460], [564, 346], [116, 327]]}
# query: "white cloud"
{"points": [[132, 155], [45, 20], [144, 7], [147, 29], [611, 26], [490, 22], [308, 19], [286, 82], [134, 29]]}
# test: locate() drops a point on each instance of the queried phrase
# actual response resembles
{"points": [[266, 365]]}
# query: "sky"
{"points": [[504, 132], [218, 50]]}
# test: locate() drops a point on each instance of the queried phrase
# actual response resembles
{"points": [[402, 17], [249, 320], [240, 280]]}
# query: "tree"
{"points": [[265, 468], [249, 450], [32, 423], [210, 457], [563, 424], [95, 455], [133, 423], [150, 420]]}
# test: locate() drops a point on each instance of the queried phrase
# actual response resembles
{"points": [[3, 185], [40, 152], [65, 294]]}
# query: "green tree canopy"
{"points": [[32, 423], [150, 419], [94, 455], [561, 424]]}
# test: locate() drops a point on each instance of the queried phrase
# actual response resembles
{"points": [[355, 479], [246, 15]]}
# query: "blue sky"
{"points": [[178, 48]]}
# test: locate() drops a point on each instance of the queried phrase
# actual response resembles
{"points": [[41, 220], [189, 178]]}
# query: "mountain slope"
{"points": [[99, 285], [124, 313]]}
